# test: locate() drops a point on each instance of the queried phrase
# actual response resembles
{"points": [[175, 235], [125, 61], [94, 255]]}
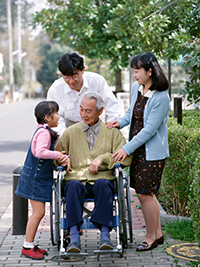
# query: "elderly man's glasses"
{"points": [[75, 77]]}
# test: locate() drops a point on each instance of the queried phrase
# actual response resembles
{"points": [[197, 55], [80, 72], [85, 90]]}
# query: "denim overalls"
{"points": [[36, 178]]}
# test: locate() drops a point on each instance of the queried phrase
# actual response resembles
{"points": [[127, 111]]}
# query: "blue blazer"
{"points": [[154, 133]]}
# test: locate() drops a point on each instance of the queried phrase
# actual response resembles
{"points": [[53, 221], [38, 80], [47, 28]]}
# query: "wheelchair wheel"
{"points": [[55, 216], [122, 213], [129, 215]]}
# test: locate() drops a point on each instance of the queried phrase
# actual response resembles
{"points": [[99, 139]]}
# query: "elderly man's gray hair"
{"points": [[97, 97]]}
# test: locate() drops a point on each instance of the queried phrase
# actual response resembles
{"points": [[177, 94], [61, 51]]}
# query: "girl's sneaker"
{"points": [[42, 251], [32, 253]]}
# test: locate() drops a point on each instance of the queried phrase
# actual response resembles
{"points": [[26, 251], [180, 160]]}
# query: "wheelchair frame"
{"points": [[121, 219]]}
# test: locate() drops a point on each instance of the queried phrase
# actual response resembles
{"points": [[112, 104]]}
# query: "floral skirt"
{"points": [[145, 176]]}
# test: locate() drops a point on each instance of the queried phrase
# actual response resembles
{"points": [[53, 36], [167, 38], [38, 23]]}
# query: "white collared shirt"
{"points": [[149, 93], [69, 99], [91, 133]]}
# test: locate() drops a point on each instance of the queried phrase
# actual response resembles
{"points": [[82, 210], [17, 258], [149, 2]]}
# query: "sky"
{"points": [[38, 4]]}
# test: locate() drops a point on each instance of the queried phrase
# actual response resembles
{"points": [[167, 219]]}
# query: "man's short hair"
{"points": [[97, 97], [69, 63]]}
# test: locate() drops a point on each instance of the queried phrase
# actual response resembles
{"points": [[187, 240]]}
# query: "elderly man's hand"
{"points": [[94, 165]]}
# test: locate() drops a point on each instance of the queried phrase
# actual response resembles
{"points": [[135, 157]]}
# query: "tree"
{"points": [[116, 30], [192, 67], [48, 72], [18, 74]]}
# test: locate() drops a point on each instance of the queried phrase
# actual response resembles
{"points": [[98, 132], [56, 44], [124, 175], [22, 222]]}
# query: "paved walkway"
{"points": [[10, 248]]}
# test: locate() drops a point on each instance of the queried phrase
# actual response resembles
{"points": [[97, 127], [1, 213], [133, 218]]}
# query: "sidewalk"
{"points": [[10, 248]]}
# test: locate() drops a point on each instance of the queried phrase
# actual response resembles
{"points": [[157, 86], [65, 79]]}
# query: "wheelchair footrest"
{"points": [[68, 254], [112, 251]]}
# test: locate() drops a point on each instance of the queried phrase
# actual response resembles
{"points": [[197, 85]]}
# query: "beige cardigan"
{"points": [[74, 142]]}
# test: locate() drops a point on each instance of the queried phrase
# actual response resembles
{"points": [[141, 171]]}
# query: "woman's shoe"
{"points": [[160, 240], [145, 246]]}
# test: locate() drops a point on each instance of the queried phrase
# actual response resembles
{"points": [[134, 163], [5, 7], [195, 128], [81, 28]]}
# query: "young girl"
{"points": [[36, 178], [147, 116]]}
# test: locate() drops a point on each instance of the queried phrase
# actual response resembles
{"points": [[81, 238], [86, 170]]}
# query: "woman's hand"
{"points": [[112, 124], [120, 155]]}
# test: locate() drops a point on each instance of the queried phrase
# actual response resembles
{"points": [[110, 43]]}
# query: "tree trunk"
{"points": [[118, 81]]}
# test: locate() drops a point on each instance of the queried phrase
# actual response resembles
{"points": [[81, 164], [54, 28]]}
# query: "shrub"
{"points": [[194, 197], [184, 145]]}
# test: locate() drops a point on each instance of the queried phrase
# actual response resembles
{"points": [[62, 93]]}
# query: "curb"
{"points": [[165, 218], [5, 223]]}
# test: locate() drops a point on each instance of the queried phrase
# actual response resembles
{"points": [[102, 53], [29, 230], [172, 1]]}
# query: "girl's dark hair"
{"points": [[147, 61], [70, 63], [46, 108]]}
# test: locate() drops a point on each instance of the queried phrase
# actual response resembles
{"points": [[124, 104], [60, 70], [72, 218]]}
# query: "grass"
{"points": [[184, 231], [180, 229]]}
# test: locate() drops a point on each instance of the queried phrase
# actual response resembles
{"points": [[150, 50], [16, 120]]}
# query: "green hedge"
{"points": [[184, 144], [194, 197], [179, 193]]}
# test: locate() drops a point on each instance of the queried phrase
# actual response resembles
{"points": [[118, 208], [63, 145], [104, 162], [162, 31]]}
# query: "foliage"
{"points": [[181, 229], [193, 263], [116, 30], [192, 67], [184, 146], [101, 67], [194, 197], [19, 72], [49, 69]]}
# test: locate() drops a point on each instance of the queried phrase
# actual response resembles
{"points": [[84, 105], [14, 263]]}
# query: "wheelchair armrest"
{"points": [[61, 168], [117, 165]]}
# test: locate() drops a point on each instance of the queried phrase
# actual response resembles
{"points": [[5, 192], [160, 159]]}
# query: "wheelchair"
{"points": [[122, 218]]}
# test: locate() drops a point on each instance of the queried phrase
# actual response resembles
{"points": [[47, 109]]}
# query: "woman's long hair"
{"points": [[148, 60]]}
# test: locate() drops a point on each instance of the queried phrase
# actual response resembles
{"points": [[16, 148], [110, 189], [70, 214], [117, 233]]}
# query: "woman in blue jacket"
{"points": [[147, 116]]}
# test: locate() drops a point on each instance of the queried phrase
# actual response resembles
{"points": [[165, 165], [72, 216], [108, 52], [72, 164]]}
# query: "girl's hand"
{"points": [[112, 124], [64, 160], [68, 164], [120, 155]]}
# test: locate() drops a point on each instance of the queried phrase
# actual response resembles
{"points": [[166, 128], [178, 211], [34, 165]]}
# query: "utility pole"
{"points": [[11, 76], [169, 77], [19, 42]]}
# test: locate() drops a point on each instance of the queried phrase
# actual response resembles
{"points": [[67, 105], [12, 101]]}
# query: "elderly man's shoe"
{"points": [[106, 245], [74, 247], [145, 246]]}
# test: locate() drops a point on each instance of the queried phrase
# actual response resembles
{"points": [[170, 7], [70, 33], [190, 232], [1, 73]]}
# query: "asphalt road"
{"points": [[17, 125]]}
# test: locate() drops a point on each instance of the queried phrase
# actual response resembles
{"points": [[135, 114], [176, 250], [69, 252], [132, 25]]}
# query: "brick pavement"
{"points": [[10, 248]]}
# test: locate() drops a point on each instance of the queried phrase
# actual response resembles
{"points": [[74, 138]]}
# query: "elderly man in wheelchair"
{"points": [[90, 145]]}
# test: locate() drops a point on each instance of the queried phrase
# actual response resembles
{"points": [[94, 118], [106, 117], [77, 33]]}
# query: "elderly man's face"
{"points": [[88, 111]]}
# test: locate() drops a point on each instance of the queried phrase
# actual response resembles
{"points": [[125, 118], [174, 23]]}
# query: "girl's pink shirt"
{"points": [[41, 144]]}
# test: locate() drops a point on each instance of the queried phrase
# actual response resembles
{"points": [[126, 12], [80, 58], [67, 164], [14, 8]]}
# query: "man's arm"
{"points": [[106, 160], [52, 96]]}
